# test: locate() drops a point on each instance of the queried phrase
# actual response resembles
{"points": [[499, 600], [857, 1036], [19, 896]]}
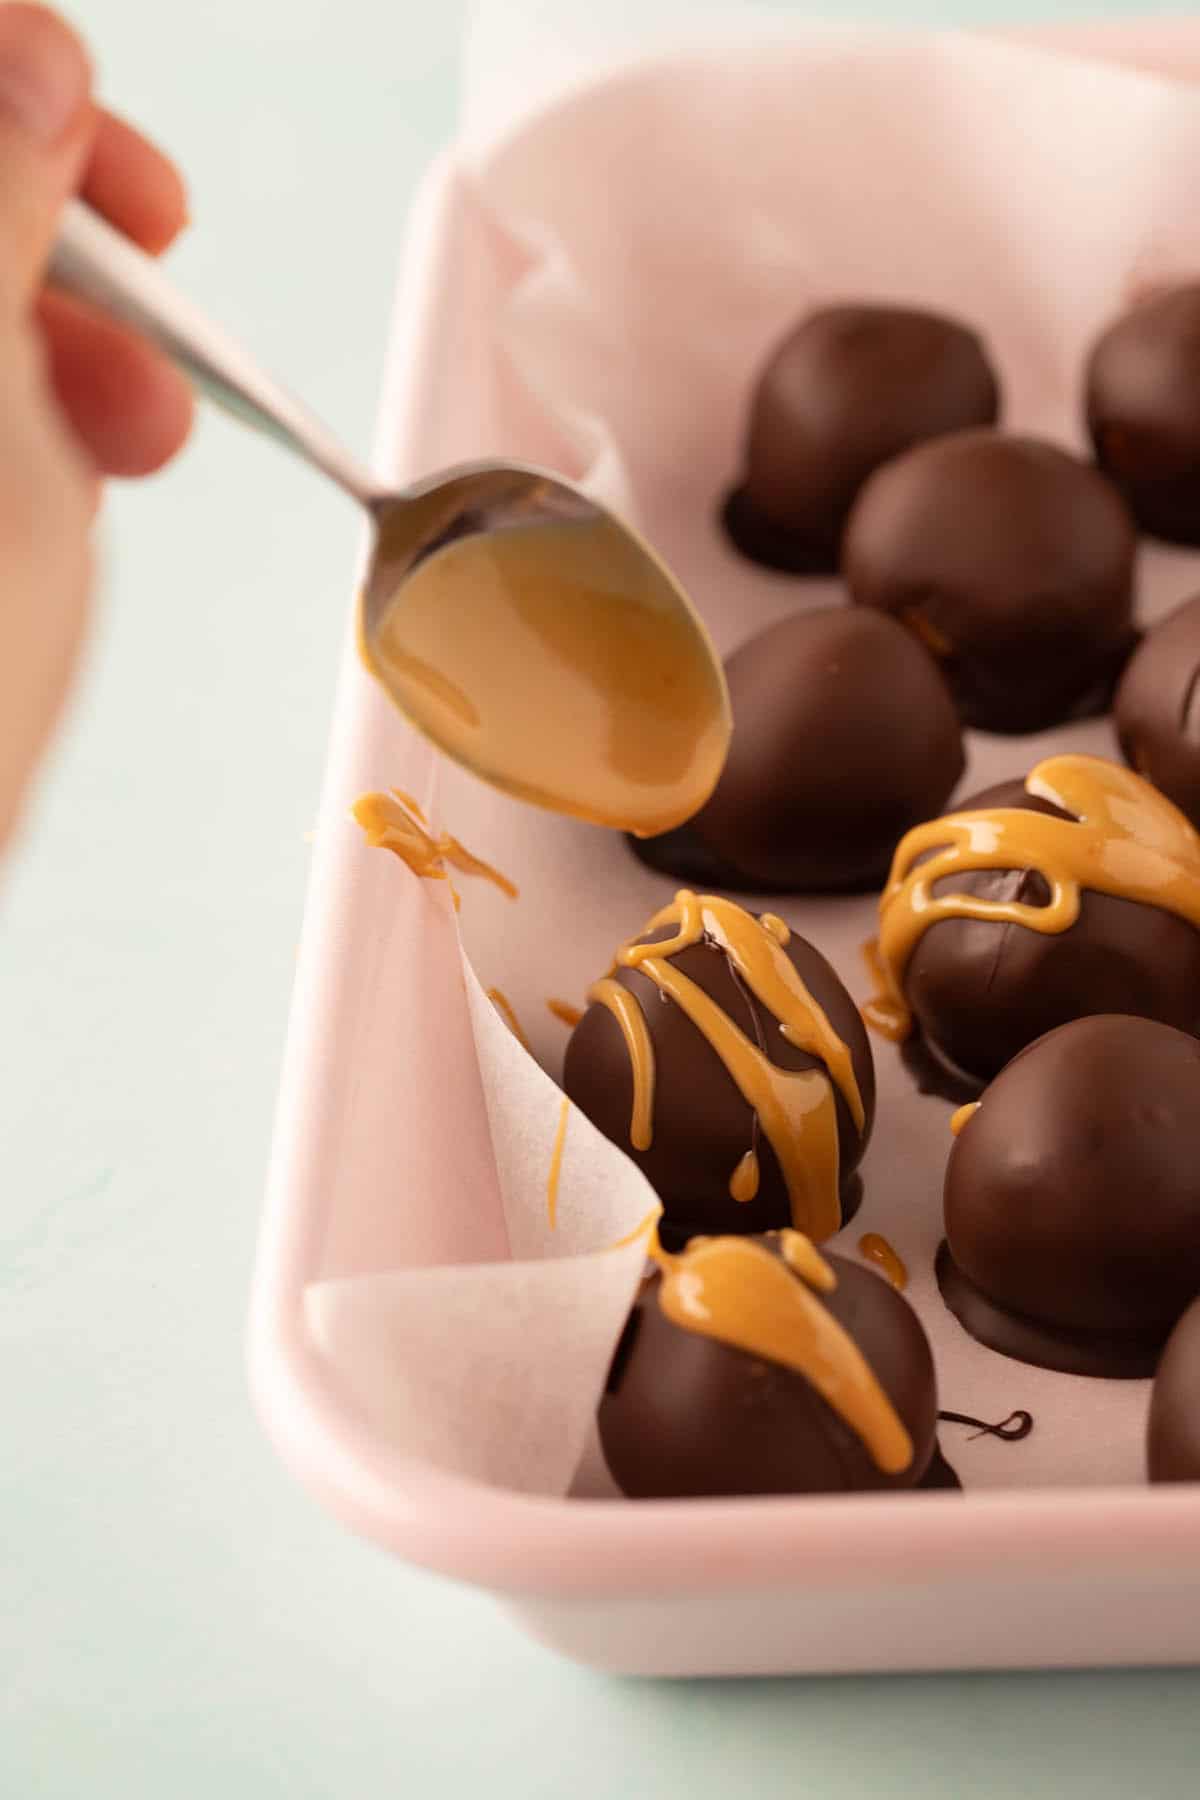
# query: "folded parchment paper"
{"points": [[622, 260]]}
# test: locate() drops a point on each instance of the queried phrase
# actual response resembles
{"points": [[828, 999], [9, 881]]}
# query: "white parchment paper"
{"points": [[623, 260]]}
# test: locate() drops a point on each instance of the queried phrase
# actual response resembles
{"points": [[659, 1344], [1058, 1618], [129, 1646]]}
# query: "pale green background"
{"points": [[176, 1619]]}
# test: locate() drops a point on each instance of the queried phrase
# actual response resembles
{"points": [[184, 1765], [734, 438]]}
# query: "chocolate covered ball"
{"points": [[1158, 708], [1072, 1199], [844, 735], [712, 1155], [1173, 1436], [1143, 410], [1012, 562], [850, 387], [978, 989], [687, 1415]]}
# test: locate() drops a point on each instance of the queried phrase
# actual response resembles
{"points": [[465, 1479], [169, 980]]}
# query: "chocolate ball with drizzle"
{"points": [[1074, 892], [1072, 1199], [849, 387], [759, 1366], [724, 1054]]}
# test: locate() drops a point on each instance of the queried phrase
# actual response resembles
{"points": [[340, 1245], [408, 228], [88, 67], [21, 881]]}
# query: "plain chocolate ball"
{"points": [[1157, 708], [848, 388], [1072, 1199], [1173, 1433], [1012, 562], [844, 736], [1143, 410]]}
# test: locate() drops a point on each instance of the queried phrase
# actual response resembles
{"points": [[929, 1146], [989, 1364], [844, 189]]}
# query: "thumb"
{"points": [[46, 126], [46, 123]]}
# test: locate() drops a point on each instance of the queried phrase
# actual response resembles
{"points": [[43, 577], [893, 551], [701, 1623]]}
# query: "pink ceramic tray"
{"points": [[1048, 1577]]}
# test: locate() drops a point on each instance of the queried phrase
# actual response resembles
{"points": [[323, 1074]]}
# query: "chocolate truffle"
{"points": [[850, 387], [844, 736], [726, 1057], [718, 1384], [1158, 708], [1074, 892], [1072, 1199], [1012, 562], [1143, 410], [1173, 1438]]}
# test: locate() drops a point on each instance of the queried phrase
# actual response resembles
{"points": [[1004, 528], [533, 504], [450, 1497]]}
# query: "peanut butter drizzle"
{"points": [[560, 1138], [562, 1009], [779, 929], [877, 1250], [743, 1183], [391, 824], [504, 1007], [642, 1229], [880, 1011], [735, 1291], [802, 1256], [410, 805], [632, 1020], [757, 956], [1124, 839], [963, 1116], [795, 1108]]}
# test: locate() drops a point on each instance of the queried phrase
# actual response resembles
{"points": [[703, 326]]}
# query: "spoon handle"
{"points": [[101, 267]]}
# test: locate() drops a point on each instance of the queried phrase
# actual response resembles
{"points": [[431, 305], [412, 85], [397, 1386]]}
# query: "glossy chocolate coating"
{"points": [[702, 1125], [850, 387], [844, 736], [1173, 1436], [1158, 708], [685, 1415], [1072, 1199], [1143, 410], [1013, 562], [981, 990]]}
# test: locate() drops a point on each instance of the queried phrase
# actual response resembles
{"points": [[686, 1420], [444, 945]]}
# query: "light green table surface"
{"points": [[177, 1620]]}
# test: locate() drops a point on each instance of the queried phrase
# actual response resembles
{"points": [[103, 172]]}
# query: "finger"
{"points": [[45, 507], [45, 128], [134, 185], [128, 407]]}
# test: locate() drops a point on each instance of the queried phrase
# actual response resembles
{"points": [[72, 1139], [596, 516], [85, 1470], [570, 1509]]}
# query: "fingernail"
{"points": [[44, 75]]}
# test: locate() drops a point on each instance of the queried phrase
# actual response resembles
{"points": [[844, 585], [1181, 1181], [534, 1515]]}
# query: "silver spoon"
{"points": [[531, 634]]}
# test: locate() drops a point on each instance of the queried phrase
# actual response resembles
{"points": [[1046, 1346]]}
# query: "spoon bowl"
{"points": [[539, 642], [527, 631]]}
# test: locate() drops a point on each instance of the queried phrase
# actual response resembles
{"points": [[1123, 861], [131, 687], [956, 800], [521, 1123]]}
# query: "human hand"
{"points": [[82, 398]]}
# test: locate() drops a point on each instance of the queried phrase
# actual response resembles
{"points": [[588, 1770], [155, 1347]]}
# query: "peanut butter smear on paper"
{"points": [[391, 822]]}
